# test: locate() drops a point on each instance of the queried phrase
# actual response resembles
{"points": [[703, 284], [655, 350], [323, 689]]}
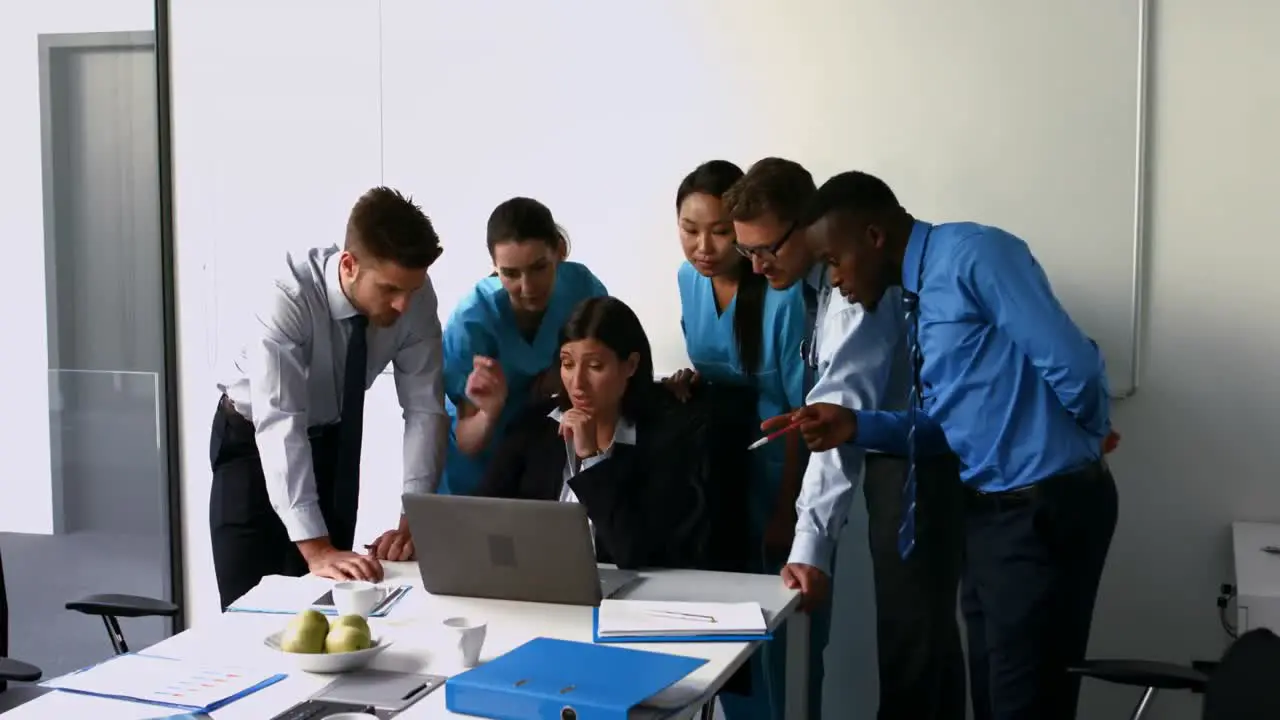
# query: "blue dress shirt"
{"points": [[1011, 384]]}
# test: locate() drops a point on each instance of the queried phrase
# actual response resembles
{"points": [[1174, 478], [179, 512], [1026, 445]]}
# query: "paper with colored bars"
{"points": [[165, 681], [654, 619]]}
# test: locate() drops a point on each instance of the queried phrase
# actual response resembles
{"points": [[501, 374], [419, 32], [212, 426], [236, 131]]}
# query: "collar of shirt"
{"points": [[816, 278], [340, 306], [624, 432], [914, 256]]}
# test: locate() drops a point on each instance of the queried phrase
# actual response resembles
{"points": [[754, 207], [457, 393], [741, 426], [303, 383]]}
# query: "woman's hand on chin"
{"points": [[578, 427]]}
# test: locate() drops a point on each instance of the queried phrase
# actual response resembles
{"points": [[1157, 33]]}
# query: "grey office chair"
{"points": [[1150, 675], [111, 606], [17, 671], [1246, 684]]}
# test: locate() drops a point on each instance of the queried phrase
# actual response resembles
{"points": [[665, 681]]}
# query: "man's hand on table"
{"points": [[394, 545], [325, 560], [813, 584]]}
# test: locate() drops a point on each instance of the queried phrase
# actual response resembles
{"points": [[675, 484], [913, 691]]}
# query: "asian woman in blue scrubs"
{"points": [[739, 330], [503, 337]]}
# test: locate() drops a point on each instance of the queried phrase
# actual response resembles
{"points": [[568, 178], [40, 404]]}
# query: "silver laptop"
{"points": [[529, 550]]}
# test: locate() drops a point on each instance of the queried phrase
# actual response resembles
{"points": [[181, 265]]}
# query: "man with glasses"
{"points": [[857, 359]]}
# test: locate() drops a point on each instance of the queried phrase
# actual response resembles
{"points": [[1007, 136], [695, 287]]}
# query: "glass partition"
{"points": [[86, 507]]}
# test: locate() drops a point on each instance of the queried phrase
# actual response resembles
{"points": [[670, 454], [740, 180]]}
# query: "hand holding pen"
{"points": [[822, 425]]}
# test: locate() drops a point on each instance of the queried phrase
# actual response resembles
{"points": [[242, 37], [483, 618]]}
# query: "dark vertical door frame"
{"points": [[49, 44], [169, 300]]}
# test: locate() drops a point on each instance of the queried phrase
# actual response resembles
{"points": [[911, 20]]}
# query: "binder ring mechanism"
{"points": [[566, 712]]}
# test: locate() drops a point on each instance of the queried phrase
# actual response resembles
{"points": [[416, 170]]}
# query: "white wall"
{"points": [[26, 492], [1011, 113], [275, 134], [1199, 446], [599, 110]]}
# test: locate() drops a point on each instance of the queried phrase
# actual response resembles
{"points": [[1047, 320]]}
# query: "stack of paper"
{"points": [[278, 594], [645, 620], [165, 681]]}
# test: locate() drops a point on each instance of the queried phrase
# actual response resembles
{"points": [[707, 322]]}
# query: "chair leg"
{"points": [[1144, 704], [117, 636]]}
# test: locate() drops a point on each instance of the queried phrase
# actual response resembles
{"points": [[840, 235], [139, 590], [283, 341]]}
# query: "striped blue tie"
{"points": [[907, 530]]}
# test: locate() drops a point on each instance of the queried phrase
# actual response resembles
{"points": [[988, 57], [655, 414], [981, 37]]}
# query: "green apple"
{"points": [[310, 619], [354, 621], [305, 633], [344, 638]]}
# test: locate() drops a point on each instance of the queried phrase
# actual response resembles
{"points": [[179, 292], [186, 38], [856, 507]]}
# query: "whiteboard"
{"points": [[1012, 113]]}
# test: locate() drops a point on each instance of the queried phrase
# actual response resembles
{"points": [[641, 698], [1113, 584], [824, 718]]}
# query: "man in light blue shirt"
{"points": [[857, 357], [1008, 381]]}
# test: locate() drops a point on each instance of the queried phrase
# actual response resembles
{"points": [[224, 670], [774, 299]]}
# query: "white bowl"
{"points": [[329, 663]]}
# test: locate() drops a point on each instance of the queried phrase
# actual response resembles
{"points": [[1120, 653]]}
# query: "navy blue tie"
{"points": [[351, 428], [907, 530]]}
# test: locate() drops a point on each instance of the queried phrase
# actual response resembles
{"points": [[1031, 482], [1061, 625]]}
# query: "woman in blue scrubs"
{"points": [[504, 335], [739, 330]]}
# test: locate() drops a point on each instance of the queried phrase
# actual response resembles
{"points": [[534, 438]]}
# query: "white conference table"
{"points": [[414, 622]]}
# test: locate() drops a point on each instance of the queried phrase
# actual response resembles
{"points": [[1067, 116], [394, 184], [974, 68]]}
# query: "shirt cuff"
{"points": [[810, 548], [304, 522], [591, 462], [873, 430], [420, 486]]}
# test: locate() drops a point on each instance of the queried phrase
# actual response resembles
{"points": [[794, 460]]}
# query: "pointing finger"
{"points": [[777, 422]]}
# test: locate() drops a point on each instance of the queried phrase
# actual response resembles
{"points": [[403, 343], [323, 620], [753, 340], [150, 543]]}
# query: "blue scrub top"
{"points": [[778, 381], [484, 324]]}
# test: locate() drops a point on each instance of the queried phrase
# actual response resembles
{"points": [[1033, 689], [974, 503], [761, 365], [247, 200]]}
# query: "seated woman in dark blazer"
{"points": [[615, 441]]}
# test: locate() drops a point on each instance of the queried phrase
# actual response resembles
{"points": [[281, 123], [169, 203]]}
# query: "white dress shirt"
{"points": [[862, 364], [289, 376]]}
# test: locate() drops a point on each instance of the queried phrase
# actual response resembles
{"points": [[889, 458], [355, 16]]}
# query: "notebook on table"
{"points": [[282, 595], [659, 621]]}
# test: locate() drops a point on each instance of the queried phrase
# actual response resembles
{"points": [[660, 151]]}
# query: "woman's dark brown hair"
{"points": [[610, 322]]}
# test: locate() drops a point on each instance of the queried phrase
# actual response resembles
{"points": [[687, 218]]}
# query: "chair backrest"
{"points": [[1246, 684], [4, 621], [721, 420]]}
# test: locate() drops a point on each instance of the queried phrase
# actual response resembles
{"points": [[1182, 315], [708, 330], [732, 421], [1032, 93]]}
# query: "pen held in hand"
{"points": [[774, 436]]}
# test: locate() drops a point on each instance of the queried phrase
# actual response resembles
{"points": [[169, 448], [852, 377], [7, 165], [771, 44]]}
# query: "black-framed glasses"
{"points": [[767, 252]]}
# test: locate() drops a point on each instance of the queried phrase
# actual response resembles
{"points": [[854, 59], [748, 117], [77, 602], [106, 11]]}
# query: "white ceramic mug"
{"points": [[356, 597], [464, 638]]}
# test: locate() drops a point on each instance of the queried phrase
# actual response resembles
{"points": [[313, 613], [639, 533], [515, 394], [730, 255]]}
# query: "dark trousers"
{"points": [[1034, 559], [920, 656], [249, 540]]}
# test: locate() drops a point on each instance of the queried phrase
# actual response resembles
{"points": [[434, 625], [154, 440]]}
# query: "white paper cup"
{"points": [[464, 638]]}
